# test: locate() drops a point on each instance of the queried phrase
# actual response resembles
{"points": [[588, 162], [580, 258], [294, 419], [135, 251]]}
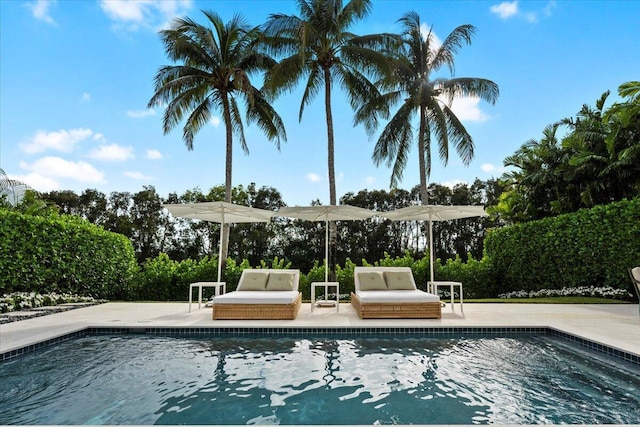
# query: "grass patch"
{"points": [[549, 300]]}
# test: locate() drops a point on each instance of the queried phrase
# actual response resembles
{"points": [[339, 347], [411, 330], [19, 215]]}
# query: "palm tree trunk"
{"points": [[227, 178], [332, 175], [422, 150]]}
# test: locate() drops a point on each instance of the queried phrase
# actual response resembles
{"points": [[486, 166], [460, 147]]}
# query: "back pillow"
{"points": [[372, 281]]}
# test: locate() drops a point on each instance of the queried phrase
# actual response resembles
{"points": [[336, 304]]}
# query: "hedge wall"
{"points": [[63, 254], [591, 247]]}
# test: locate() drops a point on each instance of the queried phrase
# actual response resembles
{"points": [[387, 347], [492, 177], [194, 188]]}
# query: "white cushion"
{"points": [[280, 282], [372, 281], [399, 280], [256, 297], [253, 280], [393, 296]]}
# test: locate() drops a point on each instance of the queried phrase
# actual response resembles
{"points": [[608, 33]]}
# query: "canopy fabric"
{"points": [[326, 213], [433, 213], [221, 212]]}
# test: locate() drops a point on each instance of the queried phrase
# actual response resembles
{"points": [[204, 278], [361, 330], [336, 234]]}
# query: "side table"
{"points": [[217, 285], [326, 286], [433, 288]]}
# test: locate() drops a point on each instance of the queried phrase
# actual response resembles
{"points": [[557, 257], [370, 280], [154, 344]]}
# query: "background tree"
{"points": [[216, 65]]}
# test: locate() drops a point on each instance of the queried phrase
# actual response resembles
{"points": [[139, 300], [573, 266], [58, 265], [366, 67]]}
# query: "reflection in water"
{"points": [[376, 380]]}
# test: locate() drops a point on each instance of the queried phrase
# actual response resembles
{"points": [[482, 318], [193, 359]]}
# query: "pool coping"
{"points": [[440, 332]]}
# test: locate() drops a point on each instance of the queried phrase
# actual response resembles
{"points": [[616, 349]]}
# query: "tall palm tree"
{"points": [[318, 48], [215, 67], [419, 92]]}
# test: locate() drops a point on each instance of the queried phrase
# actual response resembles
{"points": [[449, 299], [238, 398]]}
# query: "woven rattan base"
{"points": [[257, 311], [400, 310]]}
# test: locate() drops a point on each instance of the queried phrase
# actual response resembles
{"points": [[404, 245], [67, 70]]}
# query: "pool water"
{"points": [[151, 379]]}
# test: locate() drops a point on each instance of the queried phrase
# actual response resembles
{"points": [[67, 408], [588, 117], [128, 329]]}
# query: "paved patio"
{"points": [[614, 325]]}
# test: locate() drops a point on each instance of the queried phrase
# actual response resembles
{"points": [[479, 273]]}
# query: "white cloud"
{"points": [[62, 140], [154, 155], [137, 175], [215, 121], [424, 31], [151, 14], [313, 177], [370, 180], [505, 9], [112, 153], [466, 109], [37, 181], [40, 10], [137, 114], [86, 97], [452, 183], [56, 167], [487, 167]]}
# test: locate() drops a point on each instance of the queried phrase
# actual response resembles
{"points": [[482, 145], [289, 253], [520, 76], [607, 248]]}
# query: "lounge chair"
{"points": [[261, 294], [634, 273], [391, 292]]}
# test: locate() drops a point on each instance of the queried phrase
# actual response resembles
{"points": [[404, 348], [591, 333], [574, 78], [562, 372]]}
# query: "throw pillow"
{"points": [[253, 280], [399, 280], [280, 282], [372, 281]]}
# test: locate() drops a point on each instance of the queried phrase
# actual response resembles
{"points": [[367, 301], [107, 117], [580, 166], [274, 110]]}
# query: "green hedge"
{"points": [[591, 247], [63, 254]]}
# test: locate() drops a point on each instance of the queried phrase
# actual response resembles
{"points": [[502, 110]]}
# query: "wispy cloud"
{"points": [[215, 121], [506, 10], [313, 177], [132, 15], [86, 97], [137, 175], [40, 10], [138, 114], [37, 181], [62, 140], [112, 153], [370, 180], [154, 155]]}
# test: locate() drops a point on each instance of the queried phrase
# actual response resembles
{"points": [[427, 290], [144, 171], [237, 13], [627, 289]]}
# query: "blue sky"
{"points": [[76, 76]]}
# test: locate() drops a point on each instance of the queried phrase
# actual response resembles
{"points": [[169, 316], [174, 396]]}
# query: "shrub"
{"points": [[63, 254]]}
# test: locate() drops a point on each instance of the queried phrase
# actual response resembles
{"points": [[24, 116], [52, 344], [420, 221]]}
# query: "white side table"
{"points": [[217, 285], [433, 288], [326, 286]]}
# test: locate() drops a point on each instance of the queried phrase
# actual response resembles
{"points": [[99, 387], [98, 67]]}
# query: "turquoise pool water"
{"points": [[291, 380]]}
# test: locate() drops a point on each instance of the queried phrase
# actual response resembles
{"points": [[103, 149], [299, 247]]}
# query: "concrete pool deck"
{"points": [[613, 325]]}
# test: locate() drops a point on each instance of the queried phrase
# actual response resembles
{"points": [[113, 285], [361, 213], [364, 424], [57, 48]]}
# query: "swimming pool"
{"points": [[151, 379], [368, 379]]}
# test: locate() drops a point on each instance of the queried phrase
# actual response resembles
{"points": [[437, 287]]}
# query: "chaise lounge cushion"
{"points": [[395, 296], [399, 280], [257, 297], [280, 282], [372, 281], [253, 281]]}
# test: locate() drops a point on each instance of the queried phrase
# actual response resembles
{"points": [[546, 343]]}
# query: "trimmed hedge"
{"points": [[63, 254], [591, 247]]}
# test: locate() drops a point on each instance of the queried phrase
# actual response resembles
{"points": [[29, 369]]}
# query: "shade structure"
{"points": [[433, 213], [326, 213], [221, 212]]}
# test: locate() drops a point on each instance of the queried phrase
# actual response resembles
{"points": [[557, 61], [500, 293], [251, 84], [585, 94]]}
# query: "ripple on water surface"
{"points": [[372, 380]]}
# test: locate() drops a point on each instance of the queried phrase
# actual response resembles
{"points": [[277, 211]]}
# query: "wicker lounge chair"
{"points": [[391, 292], [261, 294]]}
